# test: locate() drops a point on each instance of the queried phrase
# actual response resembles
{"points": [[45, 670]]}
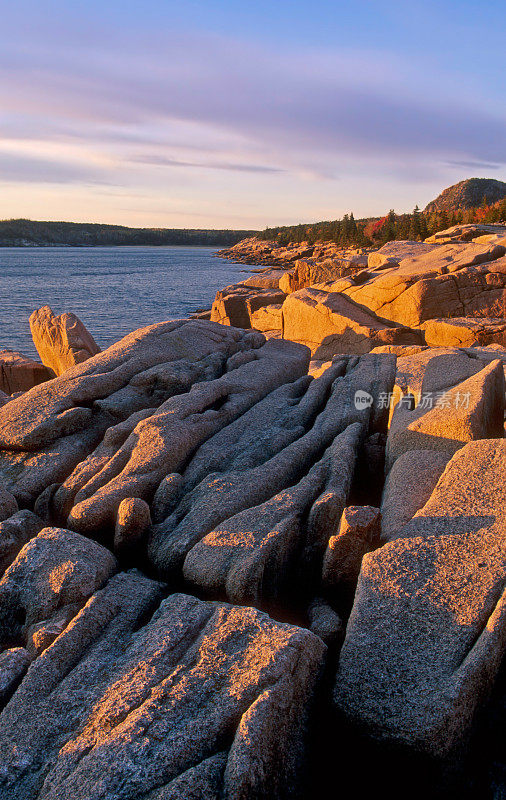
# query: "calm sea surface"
{"points": [[114, 290]]}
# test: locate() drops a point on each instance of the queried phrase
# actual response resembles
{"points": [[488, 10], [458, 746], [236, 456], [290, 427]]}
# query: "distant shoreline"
{"points": [[21, 233], [98, 246]]}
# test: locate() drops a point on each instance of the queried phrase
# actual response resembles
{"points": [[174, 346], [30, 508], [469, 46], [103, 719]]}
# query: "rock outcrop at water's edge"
{"points": [[230, 561], [61, 341]]}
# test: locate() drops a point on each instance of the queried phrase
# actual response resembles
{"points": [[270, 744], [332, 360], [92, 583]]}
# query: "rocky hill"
{"points": [[32, 233], [468, 194]]}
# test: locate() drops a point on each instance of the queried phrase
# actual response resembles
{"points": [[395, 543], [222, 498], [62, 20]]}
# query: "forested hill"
{"points": [[417, 225], [29, 233]]}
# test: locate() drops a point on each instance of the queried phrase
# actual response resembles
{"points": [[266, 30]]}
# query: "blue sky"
{"points": [[234, 114]]}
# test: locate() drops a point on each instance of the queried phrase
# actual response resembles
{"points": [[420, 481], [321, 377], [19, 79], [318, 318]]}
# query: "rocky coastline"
{"points": [[244, 553]]}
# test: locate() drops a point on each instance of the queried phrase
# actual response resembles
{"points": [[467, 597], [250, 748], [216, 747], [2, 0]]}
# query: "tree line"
{"points": [[416, 226], [26, 232]]}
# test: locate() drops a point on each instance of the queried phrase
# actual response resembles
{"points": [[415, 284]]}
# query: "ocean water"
{"points": [[114, 290]]}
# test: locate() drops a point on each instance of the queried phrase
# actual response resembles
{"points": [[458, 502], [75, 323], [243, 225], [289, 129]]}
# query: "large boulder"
{"points": [[330, 323], [181, 701], [445, 420], [19, 373], [427, 632], [455, 280], [465, 332], [265, 279], [431, 370], [50, 579], [45, 433], [392, 253], [61, 341], [164, 442], [235, 304]]}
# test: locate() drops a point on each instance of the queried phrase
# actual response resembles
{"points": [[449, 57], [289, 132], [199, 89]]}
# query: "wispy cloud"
{"points": [[16, 168], [164, 161]]}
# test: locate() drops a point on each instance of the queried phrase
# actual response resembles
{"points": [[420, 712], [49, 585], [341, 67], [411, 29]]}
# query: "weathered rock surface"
{"points": [[47, 432], [465, 332], [251, 471], [428, 628], [392, 253], [252, 557], [13, 665], [445, 421], [265, 279], [61, 341], [267, 318], [430, 371], [15, 532], [308, 272], [19, 373], [164, 442], [467, 233], [329, 323], [8, 504], [358, 534], [408, 486], [461, 279], [50, 578], [186, 702]]}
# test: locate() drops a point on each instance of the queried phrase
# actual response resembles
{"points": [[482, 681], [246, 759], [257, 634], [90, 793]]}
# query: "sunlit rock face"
{"points": [[47, 432], [144, 698], [61, 341], [19, 374]]}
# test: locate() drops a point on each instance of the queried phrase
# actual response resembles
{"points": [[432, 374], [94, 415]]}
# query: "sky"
{"points": [[238, 114]]}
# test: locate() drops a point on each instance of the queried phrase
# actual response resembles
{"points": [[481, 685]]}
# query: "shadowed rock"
{"points": [[132, 523], [8, 504], [13, 665], [164, 442], [427, 632], [220, 496], [51, 577], [358, 534], [252, 557], [408, 486], [19, 373], [190, 699], [324, 622], [15, 532]]}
